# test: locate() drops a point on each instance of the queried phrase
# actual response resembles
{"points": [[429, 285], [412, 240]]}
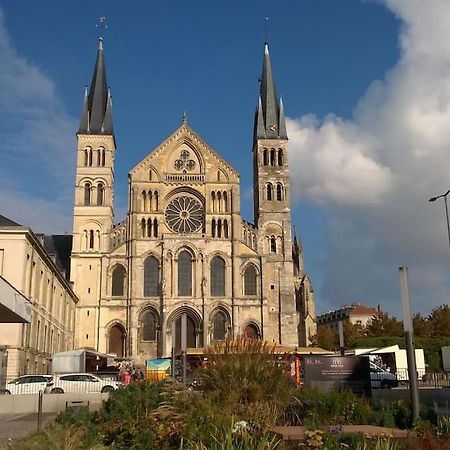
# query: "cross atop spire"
{"points": [[97, 113], [269, 121]]}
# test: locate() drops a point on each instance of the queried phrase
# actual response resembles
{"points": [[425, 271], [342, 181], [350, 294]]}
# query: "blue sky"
{"points": [[365, 87]]}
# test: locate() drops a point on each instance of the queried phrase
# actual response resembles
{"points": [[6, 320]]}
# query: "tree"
{"points": [[384, 325], [353, 332], [439, 321], [326, 338], [421, 325]]}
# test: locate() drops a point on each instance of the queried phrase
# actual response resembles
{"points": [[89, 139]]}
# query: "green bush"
{"points": [[316, 408], [57, 436], [132, 402], [247, 371]]}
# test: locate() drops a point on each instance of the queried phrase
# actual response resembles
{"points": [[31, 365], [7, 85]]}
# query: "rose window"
{"points": [[184, 215], [184, 162]]}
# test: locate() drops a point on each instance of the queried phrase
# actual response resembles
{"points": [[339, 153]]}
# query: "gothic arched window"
{"points": [[273, 244], [143, 228], [100, 194], [225, 229], [149, 227], [266, 157], [219, 228], [184, 274], [280, 157], [272, 157], [87, 194], [144, 201], [217, 277], [155, 228], [91, 239], [151, 277], [103, 157], [219, 326], [86, 157], [213, 228], [250, 282], [279, 192], [118, 282], [149, 325], [269, 191]]}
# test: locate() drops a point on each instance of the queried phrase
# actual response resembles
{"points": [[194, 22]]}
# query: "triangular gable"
{"points": [[185, 131]]}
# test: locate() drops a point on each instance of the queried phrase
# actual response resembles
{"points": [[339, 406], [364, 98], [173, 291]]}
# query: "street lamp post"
{"points": [[433, 199]]}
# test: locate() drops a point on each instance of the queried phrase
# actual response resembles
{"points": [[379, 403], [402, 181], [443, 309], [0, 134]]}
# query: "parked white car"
{"points": [[381, 378], [80, 382], [27, 384]]}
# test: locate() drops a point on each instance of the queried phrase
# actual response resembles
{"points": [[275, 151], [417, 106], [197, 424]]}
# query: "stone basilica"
{"points": [[184, 268]]}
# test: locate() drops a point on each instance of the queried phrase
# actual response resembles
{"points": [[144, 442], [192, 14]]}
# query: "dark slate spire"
{"points": [[97, 113], [269, 122]]}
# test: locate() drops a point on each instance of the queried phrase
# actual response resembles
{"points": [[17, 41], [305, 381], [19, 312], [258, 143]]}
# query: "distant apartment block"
{"points": [[355, 313], [36, 267]]}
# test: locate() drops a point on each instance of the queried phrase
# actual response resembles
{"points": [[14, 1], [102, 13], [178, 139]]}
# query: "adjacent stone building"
{"points": [[184, 263], [35, 267], [355, 313]]}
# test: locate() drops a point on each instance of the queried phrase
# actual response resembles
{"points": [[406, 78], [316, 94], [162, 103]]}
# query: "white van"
{"points": [[381, 378]]}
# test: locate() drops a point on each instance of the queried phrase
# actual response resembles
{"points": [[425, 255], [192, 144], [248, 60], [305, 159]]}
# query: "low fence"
{"points": [[29, 403], [424, 379]]}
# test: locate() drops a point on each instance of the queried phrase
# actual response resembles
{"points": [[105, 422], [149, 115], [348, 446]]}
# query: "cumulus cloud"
{"points": [[375, 172], [37, 142]]}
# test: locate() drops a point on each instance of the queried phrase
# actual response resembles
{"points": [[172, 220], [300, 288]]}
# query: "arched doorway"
{"points": [[193, 330], [117, 340], [191, 333], [251, 331]]}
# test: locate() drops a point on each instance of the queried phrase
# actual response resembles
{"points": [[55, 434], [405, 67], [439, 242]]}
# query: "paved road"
{"points": [[16, 426]]}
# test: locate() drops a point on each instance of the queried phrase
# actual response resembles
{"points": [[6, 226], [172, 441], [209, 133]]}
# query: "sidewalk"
{"points": [[16, 426]]}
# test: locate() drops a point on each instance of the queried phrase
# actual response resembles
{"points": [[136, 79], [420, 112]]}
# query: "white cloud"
{"points": [[375, 173], [37, 144]]}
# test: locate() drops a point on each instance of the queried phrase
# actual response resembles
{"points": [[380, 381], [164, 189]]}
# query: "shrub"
{"points": [[132, 402], [247, 370], [57, 436], [316, 408]]}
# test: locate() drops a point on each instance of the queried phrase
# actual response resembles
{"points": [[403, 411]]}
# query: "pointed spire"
{"points": [[184, 119], [108, 123], [282, 122], [259, 132], [98, 102], [271, 113]]}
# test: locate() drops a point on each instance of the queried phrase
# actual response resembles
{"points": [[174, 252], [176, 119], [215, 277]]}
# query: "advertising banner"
{"points": [[338, 372], [158, 369]]}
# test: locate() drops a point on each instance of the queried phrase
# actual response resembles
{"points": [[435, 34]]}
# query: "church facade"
{"points": [[184, 268]]}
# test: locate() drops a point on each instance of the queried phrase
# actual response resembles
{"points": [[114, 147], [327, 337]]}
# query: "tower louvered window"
{"points": [[184, 274], [217, 277], [100, 194], [279, 192], [87, 194], [151, 277]]}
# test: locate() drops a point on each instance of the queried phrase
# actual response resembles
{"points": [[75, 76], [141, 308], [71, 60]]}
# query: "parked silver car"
{"points": [[27, 384], [381, 378], [81, 382]]}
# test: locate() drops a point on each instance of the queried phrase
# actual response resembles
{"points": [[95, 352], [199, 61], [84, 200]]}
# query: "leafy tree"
{"points": [[384, 325], [421, 325], [439, 320], [326, 338], [353, 332]]}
